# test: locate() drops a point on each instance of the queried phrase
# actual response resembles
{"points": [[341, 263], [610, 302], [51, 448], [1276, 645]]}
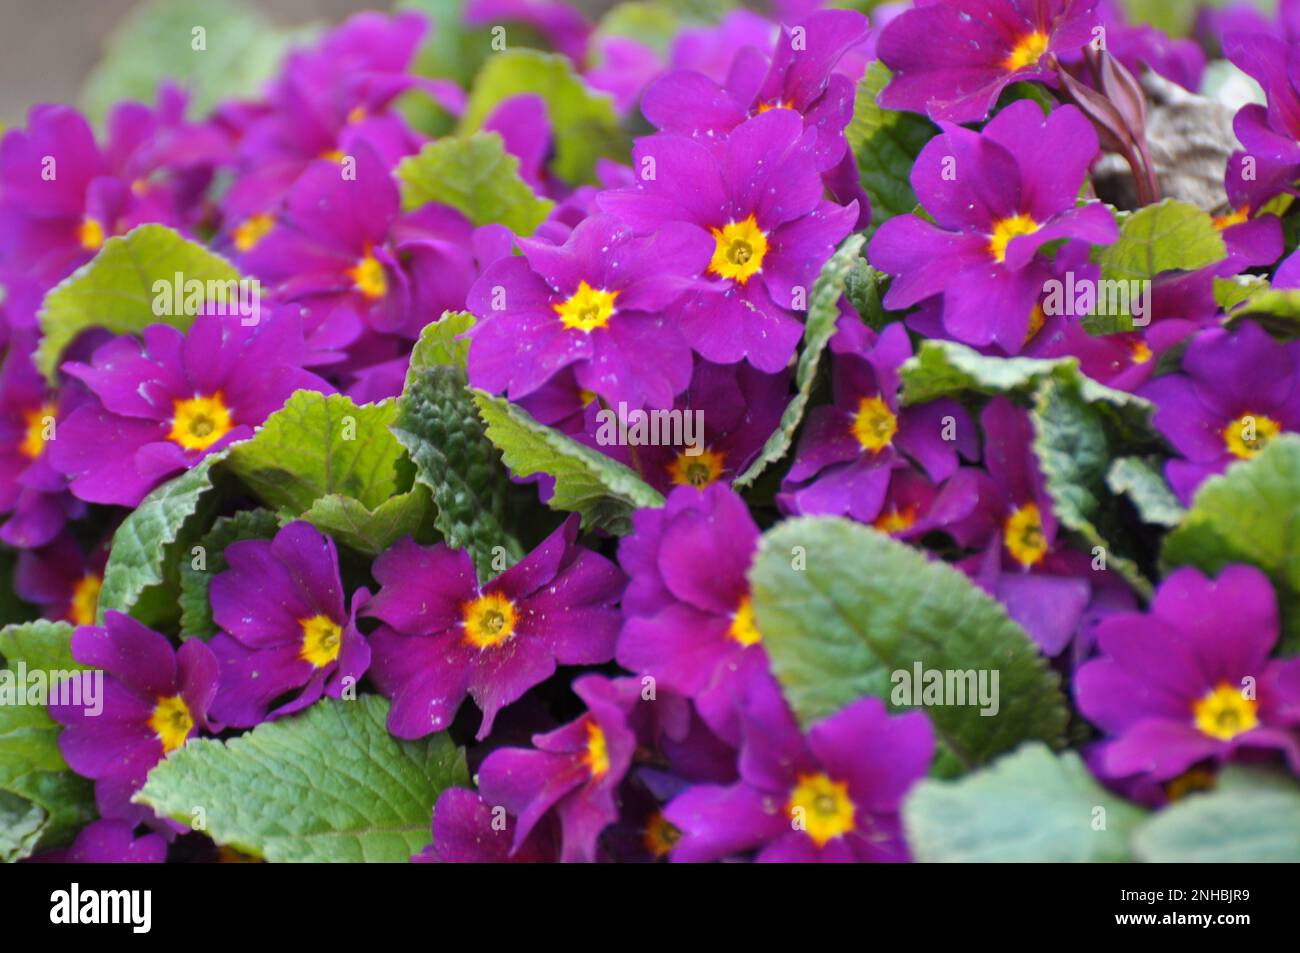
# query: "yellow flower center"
{"points": [[821, 808], [1249, 434], [172, 722], [698, 471], [596, 757], [332, 155], [659, 836], [90, 233], [587, 308], [1225, 712], [357, 114], [38, 421], [1005, 229], [1023, 535], [1197, 779], [1229, 219], [85, 600], [1037, 318], [741, 247], [252, 230], [199, 422], [368, 277], [874, 425], [489, 620], [743, 629], [321, 639], [896, 520], [1029, 49], [775, 104], [1140, 352]]}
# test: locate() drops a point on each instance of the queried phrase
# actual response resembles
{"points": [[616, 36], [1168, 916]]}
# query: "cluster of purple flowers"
{"points": [[616, 695]]}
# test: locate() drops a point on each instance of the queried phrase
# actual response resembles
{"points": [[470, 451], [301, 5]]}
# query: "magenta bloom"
{"points": [[832, 796], [164, 403], [996, 197], [1191, 680], [757, 202], [447, 637], [952, 58], [61, 579], [467, 831], [154, 699], [574, 771], [605, 303], [287, 637], [1237, 391], [1270, 134], [691, 104], [110, 842]]}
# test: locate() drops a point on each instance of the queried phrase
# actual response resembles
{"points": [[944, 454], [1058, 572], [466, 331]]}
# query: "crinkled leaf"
{"points": [[1277, 310], [841, 607], [330, 784], [475, 175], [1031, 806], [114, 290], [946, 369], [823, 310], [367, 531], [885, 144], [603, 490], [1250, 514], [1141, 481], [22, 823], [196, 611]]}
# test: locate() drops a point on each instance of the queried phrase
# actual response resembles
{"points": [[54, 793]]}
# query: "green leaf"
{"points": [[114, 290], [439, 425], [1250, 514], [139, 554], [1168, 236], [1277, 310], [653, 24], [583, 120], [603, 490], [196, 611], [1031, 806], [475, 175], [886, 144], [842, 608], [1140, 480], [240, 50], [318, 445], [1251, 816], [330, 784], [947, 369], [823, 310], [367, 531], [32, 769]]}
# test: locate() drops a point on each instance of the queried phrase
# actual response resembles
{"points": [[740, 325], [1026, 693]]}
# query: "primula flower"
{"points": [[285, 627], [1237, 391], [109, 842], [798, 77], [466, 830], [1191, 680], [832, 796], [604, 303], [757, 200], [165, 402], [1271, 133], [996, 197], [447, 637], [62, 579], [154, 699], [574, 771], [952, 58]]}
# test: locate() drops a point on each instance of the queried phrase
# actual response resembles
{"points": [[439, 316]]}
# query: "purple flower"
{"points": [[1270, 134], [849, 448], [468, 830], [832, 796], [603, 303], [757, 202], [574, 771], [154, 698], [61, 579], [953, 58], [566, 29], [447, 637], [1237, 391], [799, 76], [285, 627], [1191, 680], [996, 198], [164, 403], [110, 842]]}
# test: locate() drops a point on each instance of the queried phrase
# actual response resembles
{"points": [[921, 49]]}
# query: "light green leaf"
{"points": [[583, 120], [114, 290], [842, 608], [328, 785], [946, 369], [603, 490], [823, 310], [475, 175], [1250, 514], [653, 24], [1031, 806], [1277, 310], [196, 611], [1140, 480], [886, 144], [22, 824], [367, 531]]}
